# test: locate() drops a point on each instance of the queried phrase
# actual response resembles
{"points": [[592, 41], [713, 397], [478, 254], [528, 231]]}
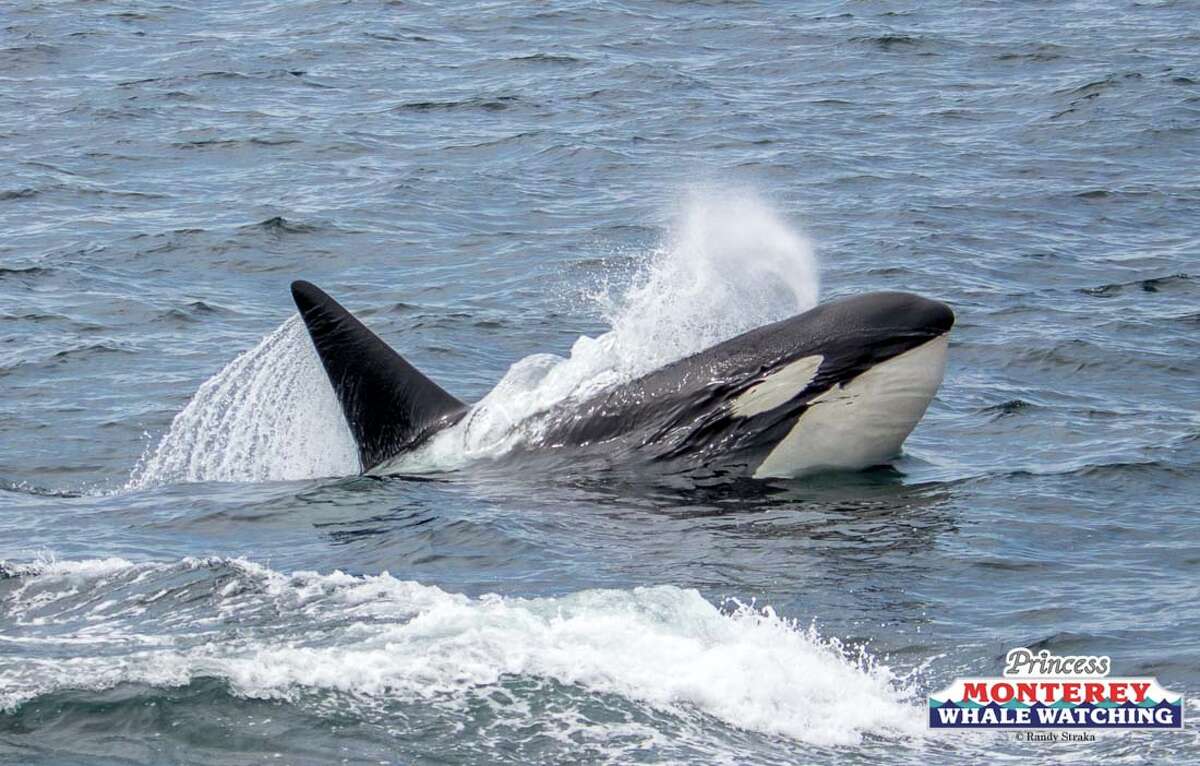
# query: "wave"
{"points": [[280, 225], [372, 639], [487, 104], [1150, 285], [24, 271]]}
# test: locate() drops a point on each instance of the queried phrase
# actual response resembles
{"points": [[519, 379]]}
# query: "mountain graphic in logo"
{"points": [[1082, 697]]}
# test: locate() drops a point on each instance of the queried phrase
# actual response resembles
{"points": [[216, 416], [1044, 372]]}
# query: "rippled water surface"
{"points": [[191, 571]]}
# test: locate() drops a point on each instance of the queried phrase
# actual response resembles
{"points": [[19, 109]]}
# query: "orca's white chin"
{"points": [[861, 423]]}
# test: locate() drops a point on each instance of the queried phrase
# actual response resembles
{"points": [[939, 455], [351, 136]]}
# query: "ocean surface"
{"points": [[561, 196]]}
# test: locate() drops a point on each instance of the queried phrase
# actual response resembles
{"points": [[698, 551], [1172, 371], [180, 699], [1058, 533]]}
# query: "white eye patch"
{"points": [[778, 388]]}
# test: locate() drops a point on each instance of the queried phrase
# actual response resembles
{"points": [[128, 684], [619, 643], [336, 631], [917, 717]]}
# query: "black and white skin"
{"points": [[838, 387]]}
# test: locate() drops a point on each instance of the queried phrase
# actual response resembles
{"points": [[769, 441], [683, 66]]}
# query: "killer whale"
{"points": [[838, 387]]}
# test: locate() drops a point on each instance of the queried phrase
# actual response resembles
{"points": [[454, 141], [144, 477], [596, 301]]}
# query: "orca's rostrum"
{"points": [[838, 387]]}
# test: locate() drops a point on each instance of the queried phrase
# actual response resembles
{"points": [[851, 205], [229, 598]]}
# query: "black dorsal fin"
{"points": [[389, 404]]}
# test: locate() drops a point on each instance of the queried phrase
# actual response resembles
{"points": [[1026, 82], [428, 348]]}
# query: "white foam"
{"points": [[48, 566], [376, 638]]}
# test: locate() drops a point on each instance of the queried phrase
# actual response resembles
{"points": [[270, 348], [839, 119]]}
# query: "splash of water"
{"points": [[269, 415], [730, 264]]}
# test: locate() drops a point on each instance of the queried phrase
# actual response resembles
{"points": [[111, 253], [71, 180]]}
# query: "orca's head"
{"points": [[846, 383], [884, 322], [855, 333]]}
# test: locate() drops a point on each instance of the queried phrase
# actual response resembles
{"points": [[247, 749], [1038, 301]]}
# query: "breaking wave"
{"points": [[362, 641]]}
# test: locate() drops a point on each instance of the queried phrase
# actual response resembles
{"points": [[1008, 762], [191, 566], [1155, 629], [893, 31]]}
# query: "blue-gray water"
{"points": [[486, 181]]}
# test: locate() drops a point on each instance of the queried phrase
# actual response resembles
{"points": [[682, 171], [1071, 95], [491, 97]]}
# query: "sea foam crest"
{"points": [[375, 639]]}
